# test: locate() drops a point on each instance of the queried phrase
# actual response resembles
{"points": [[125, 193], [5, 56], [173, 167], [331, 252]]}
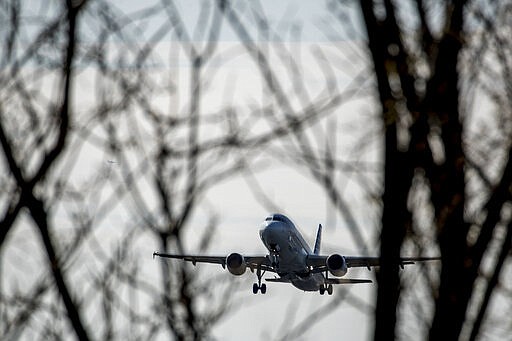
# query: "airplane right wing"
{"points": [[251, 262]]}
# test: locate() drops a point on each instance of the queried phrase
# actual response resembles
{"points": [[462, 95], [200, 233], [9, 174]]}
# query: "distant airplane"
{"points": [[292, 259]]}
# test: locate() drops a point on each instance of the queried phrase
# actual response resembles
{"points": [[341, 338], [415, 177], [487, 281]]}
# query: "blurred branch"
{"points": [[493, 282], [342, 296], [27, 197], [293, 121]]}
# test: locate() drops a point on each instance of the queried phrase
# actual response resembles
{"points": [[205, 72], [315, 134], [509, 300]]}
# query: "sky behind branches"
{"points": [[232, 80]]}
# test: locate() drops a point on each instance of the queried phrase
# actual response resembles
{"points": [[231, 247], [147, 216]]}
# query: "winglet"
{"points": [[155, 254], [318, 241]]}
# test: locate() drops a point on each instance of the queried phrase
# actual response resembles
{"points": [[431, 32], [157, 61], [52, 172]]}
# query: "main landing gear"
{"points": [[324, 288], [256, 287], [259, 286]]}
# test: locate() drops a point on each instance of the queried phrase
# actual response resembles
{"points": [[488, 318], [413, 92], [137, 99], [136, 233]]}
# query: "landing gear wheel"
{"points": [[322, 290], [329, 289], [263, 288], [259, 286]]}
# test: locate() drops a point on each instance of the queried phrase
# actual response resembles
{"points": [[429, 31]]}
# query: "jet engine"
{"points": [[236, 264], [336, 265]]}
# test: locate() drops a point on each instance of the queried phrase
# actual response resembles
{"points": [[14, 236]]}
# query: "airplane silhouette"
{"points": [[290, 257]]}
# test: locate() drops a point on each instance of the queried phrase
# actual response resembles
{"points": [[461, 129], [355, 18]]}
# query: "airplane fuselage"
{"points": [[288, 252]]}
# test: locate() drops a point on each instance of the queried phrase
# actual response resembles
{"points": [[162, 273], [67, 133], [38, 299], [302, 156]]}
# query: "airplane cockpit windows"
{"points": [[282, 218], [278, 218]]}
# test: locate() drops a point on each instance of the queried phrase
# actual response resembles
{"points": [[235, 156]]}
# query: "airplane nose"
{"points": [[267, 232], [264, 233], [270, 234]]}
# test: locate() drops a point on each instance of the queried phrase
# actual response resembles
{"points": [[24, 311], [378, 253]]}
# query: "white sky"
{"points": [[306, 28], [288, 20], [292, 189]]}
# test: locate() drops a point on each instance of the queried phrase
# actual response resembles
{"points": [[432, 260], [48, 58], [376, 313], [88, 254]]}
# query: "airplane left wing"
{"points": [[367, 262], [251, 262], [318, 263]]}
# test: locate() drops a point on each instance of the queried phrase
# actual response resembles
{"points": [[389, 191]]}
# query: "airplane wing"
{"points": [[367, 262], [318, 262], [252, 262]]}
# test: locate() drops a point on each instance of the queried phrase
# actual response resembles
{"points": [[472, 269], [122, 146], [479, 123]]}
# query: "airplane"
{"points": [[290, 257]]}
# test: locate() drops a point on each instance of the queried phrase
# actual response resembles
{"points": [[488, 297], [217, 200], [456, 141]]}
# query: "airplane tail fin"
{"points": [[318, 240]]}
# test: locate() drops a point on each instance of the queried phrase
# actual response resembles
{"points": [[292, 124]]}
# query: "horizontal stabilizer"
{"points": [[346, 281], [278, 280]]}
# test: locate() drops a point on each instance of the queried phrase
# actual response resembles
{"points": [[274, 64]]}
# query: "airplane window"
{"points": [[279, 217], [282, 218]]}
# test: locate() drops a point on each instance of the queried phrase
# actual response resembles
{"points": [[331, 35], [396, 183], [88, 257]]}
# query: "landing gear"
{"points": [[259, 286], [274, 259], [262, 288], [329, 289], [324, 288]]}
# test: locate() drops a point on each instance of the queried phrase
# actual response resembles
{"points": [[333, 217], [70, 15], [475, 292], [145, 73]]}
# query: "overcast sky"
{"points": [[310, 28], [288, 20]]}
